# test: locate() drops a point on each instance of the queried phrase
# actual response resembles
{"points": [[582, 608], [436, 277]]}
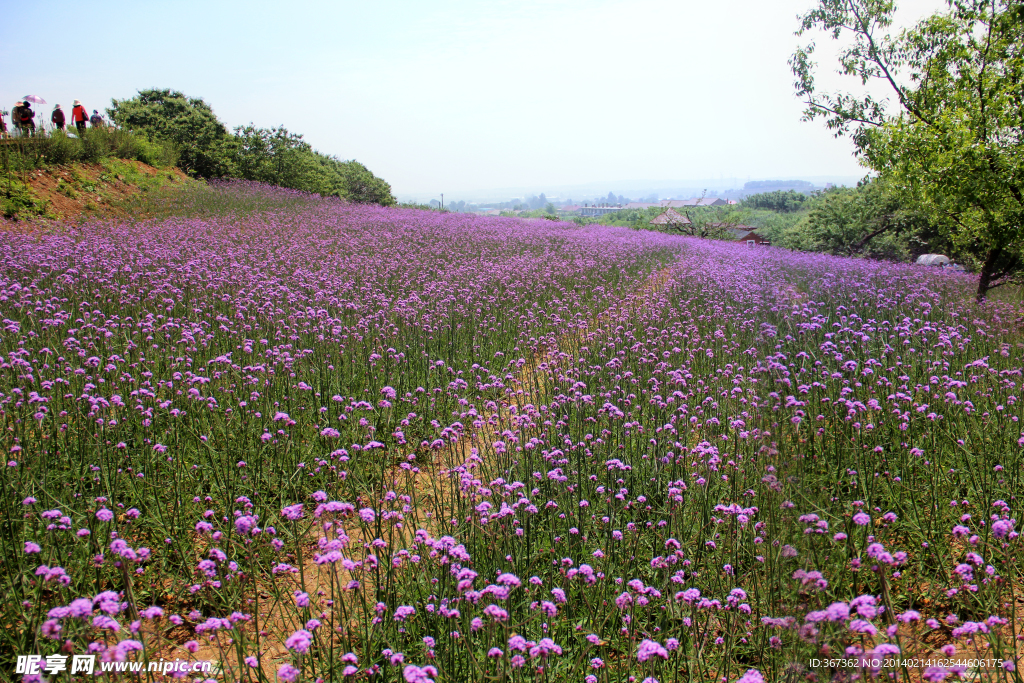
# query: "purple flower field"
{"points": [[319, 441]]}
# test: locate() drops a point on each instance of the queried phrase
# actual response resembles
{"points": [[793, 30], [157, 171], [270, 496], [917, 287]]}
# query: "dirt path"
{"points": [[529, 385], [527, 389]]}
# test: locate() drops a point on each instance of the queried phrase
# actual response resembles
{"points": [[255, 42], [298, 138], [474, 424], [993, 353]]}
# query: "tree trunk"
{"points": [[987, 271]]}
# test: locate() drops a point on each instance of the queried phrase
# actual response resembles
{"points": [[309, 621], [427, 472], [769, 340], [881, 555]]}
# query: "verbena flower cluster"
{"points": [[317, 441]]}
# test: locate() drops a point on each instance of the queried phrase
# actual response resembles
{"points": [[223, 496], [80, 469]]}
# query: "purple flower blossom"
{"points": [[544, 648], [510, 580], [751, 676], [862, 626], [415, 674], [299, 641], [287, 673], [1002, 528], [650, 648]]}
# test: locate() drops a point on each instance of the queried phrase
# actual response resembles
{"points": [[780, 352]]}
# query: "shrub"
{"points": [[161, 154], [58, 148], [92, 146]]}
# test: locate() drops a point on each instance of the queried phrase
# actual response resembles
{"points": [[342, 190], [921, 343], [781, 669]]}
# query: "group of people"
{"points": [[23, 118]]}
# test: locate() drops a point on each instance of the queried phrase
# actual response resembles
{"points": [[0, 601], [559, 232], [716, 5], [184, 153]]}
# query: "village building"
{"points": [[592, 211], [748, 234], [680, 203], [670, 217], [698, 201]]}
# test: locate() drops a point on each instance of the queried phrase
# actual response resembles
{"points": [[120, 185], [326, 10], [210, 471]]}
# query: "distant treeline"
{"points": [[870, 220], [783, 201], [767, 185], [206, 149]]}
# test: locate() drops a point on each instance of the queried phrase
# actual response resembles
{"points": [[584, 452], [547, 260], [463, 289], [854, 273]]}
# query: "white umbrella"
{"points": [[34, 98]]}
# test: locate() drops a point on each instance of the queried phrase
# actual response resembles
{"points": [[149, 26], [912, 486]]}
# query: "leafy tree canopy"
{"points": [[865, 221], [361, 186], [950, 142], [783, 201], [189, 122], [268, 155]]}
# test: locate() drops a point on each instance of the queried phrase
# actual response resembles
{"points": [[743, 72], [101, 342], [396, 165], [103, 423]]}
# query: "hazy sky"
{"points": [[458, 95]]}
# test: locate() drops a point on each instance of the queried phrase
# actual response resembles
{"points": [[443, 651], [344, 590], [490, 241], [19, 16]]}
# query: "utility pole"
{"points": [[442, 201]]}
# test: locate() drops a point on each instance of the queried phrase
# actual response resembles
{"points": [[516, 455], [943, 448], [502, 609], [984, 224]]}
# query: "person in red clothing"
{"points": [[80, 116]]}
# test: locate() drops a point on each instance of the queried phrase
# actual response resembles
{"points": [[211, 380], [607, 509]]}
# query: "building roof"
{"points": [[698, 201], [670, 217], [597, 210], [737, 231], [679, 203]]}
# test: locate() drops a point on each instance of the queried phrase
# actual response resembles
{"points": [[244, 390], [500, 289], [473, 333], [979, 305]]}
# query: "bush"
{"points": [[160, 154], [58, 148], [93, 147], [16, 200], [122, 144]]}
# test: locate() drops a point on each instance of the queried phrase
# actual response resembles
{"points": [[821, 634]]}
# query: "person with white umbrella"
{"points": [[27, 115]]}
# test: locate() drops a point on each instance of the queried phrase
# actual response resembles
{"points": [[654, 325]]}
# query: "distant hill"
{"points": [[759, 186]]}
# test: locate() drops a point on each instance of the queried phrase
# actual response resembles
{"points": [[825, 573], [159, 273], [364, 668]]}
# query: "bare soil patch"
{"points": [[103, 190]]}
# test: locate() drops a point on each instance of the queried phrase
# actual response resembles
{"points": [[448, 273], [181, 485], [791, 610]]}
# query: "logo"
{"points": [[35, 665]]}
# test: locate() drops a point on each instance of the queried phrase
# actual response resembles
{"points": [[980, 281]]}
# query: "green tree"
{"points": [[278, 157], [951, 143], [361, 186], [708, 222], [268, 155], [272, 155], [783, 201], [863, 221], [203, 143]]}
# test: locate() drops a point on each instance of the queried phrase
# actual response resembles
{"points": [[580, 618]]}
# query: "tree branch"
{"points": [[873, 53], [860, 245], [812, 103]]}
